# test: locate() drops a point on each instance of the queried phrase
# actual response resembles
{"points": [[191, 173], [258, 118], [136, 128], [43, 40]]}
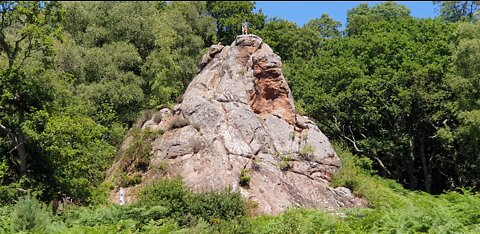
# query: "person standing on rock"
{"points": [[244, 27]]}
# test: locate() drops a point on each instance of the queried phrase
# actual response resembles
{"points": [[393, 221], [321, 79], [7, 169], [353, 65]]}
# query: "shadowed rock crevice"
{"points": [[240, 115]]}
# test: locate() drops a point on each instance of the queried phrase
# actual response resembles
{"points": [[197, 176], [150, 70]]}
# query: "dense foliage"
{"points": [[401, 93]]}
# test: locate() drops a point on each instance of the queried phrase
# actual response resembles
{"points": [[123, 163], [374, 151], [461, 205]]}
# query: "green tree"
{"points": [[110, 86], [79, 152], [454, 11], [460, 132], [106, 58], [290, 41], [362, 16], [93, 24], [151, 50], [325, 25], [279, 34], [229, 16], [180, 37], [27, 32], [382, 90]]}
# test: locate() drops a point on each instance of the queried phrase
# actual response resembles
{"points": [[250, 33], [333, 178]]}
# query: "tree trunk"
{"points": [[410, 163], [21, 148], [22, 153], [426, 172]]}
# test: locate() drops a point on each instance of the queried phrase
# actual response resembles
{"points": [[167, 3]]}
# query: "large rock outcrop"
{"points": [[238, 115]]}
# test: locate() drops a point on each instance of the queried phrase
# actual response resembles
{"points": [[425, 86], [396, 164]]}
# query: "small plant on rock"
{"points": [[307, 152], [284, 163], [130, 180], [197, 145], [157, 117], [143, 117], [244, 177], [305, 136], [162, 166], [179, 122], [179, 99], [241, 71], [292, 135]]}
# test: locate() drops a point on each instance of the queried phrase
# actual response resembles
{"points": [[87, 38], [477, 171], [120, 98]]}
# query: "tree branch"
{"points": [[352, 140], [13, 55], [9, 133], [4, 45], [14, 148], [28, 51], [384, 168]]}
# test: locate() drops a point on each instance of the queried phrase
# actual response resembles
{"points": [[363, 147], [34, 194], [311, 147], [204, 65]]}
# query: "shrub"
{"points": [[143, 117], [197, 145], [355, 175], [216, 206], [8, 194], [162, 166], [130, 180], [244, 177], [157, 117], [29, 214], [178, 122], [137, 154], [149, 134], [5, 218], [170, 194], [136, 157], [284, 163], [186, 208], [179, 99]]}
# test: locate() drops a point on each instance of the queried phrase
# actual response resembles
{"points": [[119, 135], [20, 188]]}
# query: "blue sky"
{"points": [[302, 11]]}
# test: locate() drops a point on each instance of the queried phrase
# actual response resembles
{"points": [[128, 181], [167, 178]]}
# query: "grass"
{"points": [[284, 163], [306, 152]]}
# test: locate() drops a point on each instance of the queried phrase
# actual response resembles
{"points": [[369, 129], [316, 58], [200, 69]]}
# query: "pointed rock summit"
{"points": [[237, 128]]}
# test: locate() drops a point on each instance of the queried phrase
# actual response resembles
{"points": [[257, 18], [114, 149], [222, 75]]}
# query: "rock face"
{"points": [[238, 115]]}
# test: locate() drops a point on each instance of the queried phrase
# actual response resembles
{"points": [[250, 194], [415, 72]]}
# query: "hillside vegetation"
{"points": [[167, 206], [399, 95]]}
